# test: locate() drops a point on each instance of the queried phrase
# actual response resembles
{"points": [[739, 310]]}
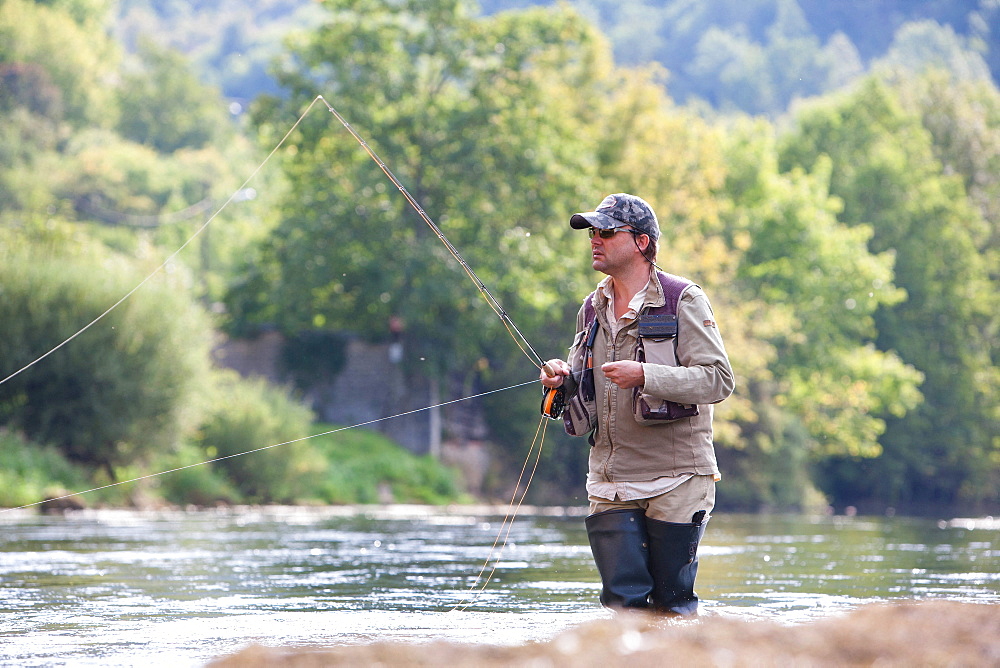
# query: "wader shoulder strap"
{"points": [[673, 288], [589, 312]]}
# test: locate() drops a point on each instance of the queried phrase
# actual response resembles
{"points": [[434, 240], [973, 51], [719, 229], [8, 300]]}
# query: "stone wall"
{"points": [[372, 386]]}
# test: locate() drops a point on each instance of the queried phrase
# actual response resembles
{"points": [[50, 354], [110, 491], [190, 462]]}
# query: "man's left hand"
{"points": [[625, 374]]}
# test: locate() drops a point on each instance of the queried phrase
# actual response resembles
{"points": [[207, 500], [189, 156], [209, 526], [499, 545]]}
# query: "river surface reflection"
{"points": [[123, 588]]}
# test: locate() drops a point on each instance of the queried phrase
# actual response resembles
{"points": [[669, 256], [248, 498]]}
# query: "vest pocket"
{"points": [[580, 416], [647, 409], [653, 410]]}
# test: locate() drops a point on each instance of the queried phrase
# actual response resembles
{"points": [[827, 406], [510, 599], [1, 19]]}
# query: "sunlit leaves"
{"points": [[79, 62], [885, 171], [799, 261], [466, 112]]}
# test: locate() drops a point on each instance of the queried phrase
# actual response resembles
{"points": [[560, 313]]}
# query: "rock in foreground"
{"points": [[932, 633]]}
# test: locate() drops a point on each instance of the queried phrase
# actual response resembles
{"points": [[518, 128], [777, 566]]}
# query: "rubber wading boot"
{"points": [[673, 561], [620, 545]]}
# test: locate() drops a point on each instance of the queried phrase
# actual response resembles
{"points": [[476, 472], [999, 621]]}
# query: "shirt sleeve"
{"points": [[704, 375]]}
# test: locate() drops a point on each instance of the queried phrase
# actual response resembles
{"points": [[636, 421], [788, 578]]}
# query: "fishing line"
{"points": [[515, 333], [172, 255], [508, 520], [518, 337], [276, 445], [512, 329]]}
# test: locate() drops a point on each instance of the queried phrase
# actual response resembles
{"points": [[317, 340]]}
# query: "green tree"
{"points": [[923, 45], [163, 104], [88, 13], [814, 288], [120, 390], [468, 113], [885, 172], [963, 118], [55, 76], [733, 70], [752, 55], [79, 61], [120, 182]]}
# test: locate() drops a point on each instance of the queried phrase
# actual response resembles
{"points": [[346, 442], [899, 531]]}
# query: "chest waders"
{"points": [[673, 561], [644, 562]]}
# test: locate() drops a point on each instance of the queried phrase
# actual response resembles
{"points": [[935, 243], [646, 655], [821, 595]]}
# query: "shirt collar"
{"points": [[634, 306]]}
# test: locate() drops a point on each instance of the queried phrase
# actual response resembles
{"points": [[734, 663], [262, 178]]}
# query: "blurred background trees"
{"points": [[124, 389], [829, 172]]}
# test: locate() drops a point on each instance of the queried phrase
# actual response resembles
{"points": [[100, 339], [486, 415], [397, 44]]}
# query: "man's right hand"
{"points": [[560, 370]]}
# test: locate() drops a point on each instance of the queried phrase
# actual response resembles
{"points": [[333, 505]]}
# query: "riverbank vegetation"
{"points": [[352, 467], [848, 240]]}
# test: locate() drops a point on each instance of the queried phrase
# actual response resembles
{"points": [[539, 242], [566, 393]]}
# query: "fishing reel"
{"points": [[553, 402]]}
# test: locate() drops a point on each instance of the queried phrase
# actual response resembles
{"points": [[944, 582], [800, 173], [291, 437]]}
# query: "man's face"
{"points": [[613, 253]]}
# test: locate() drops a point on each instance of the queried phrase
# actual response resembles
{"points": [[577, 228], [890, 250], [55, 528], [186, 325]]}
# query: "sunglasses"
{"points": [[607, 234]]}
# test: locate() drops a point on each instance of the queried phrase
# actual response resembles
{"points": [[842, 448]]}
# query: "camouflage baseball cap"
{"points": [[619, 210]]}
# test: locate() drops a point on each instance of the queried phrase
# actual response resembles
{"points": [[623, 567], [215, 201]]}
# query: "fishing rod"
{"points": [[516, 334], [552, 400], [512, 329]]}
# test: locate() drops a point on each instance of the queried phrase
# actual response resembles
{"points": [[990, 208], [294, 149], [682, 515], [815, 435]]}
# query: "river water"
{"points": [[125, 588]]}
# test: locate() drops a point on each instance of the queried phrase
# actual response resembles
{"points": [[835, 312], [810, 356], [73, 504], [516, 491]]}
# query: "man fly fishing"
{"points": [[645, 367]]}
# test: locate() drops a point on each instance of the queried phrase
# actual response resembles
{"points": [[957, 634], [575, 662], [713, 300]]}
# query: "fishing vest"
{"points": [[657, 344]]}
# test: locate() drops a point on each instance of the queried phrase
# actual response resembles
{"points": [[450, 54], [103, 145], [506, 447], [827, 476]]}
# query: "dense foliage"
{"points": [[123, 389], [849, 247], [349, 252], [890, 180], [110, 162]]}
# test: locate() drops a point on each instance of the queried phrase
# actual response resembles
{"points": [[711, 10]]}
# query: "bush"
{"points": [[29, 473], [249, 414], [365, 467], [121, 390], [199, 484]]}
